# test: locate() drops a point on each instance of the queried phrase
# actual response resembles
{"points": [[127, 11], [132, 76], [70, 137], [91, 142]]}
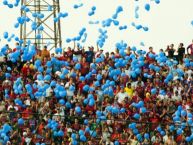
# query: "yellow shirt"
{"points": [[129, 91]]}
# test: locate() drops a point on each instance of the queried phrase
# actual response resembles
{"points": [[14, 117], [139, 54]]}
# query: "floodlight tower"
{"points": [[50, 32]]}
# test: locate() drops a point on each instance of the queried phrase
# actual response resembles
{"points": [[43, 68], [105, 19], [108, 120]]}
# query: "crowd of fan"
{"points": [[91, 97]]}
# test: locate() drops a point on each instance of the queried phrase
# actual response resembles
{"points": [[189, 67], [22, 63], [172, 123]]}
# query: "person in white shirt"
{"points": [[176, 97], [121, 95]]}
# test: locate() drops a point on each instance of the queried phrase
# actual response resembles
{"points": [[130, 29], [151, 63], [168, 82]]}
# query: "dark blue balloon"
{"points": [[147, 7]]}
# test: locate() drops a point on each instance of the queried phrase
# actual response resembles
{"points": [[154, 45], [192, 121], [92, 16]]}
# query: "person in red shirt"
{"points": [[148, 58], [25, 69], [27, 113], [84, 67], [191, 50]]}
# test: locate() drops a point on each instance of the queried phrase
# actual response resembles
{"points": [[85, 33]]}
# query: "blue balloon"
{"points": [[78, 110], [91, 102], [146, 136], [138, 27], [86, 88], [153, 91], [188, 139], [143, 110], [16, 25], [93, 8], [147, 7], [83, 138], [157, 1], [119, 9], [116, 142], [5, 35], [122, 110], [74, 142], [136, 116], [172, 128], [93, 133], [139, 137], [20, 121], [38, 36], [62, 102], [60, 133], [159, 129], [86, 122], [179, 131], [145, 28], [62, 93], [5, 2], [162, 133], [73, 136], [183, 113], [76, 6], [135, 131]]}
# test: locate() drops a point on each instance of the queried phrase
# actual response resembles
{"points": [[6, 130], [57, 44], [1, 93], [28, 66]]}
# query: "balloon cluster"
{"points": [[136, 12], [79, 37], [60, 15], [118, 10], [84, 38], [76, 6], [11, 5], [17, 86], [102, 38], [107, 22], [21, 20], [138, 27], [58, 50], [4, 133], [92, 12], [123, 27], [38, 15], [93, 22], [54, 126], [25, 9]]}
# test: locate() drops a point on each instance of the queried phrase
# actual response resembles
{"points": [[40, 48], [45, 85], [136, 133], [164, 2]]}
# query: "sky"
{"points": [[169, 22]]}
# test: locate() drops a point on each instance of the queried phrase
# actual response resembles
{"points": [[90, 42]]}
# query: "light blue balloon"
{"points": [[78, 109], [136, 116], [83, 138], [62, 102], [146, 136], [20, 121], [192, 22]]}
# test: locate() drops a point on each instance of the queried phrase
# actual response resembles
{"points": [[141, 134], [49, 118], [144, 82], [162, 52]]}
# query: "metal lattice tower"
{"points": [[52, 30]]}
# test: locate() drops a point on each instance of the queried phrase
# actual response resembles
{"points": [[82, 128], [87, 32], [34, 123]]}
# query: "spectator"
{"points": [[190, 53], [112, 100], [45, 53], [170, 49], [181, 52]]}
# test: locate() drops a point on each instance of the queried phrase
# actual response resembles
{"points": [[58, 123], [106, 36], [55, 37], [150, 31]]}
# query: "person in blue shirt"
{"points": [[90, 55]]}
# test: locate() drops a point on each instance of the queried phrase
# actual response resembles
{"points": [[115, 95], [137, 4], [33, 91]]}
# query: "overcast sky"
{"points": [[169, 22]]}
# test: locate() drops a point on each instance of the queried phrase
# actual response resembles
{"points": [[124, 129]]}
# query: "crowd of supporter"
{"points": [[93, 97]]}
